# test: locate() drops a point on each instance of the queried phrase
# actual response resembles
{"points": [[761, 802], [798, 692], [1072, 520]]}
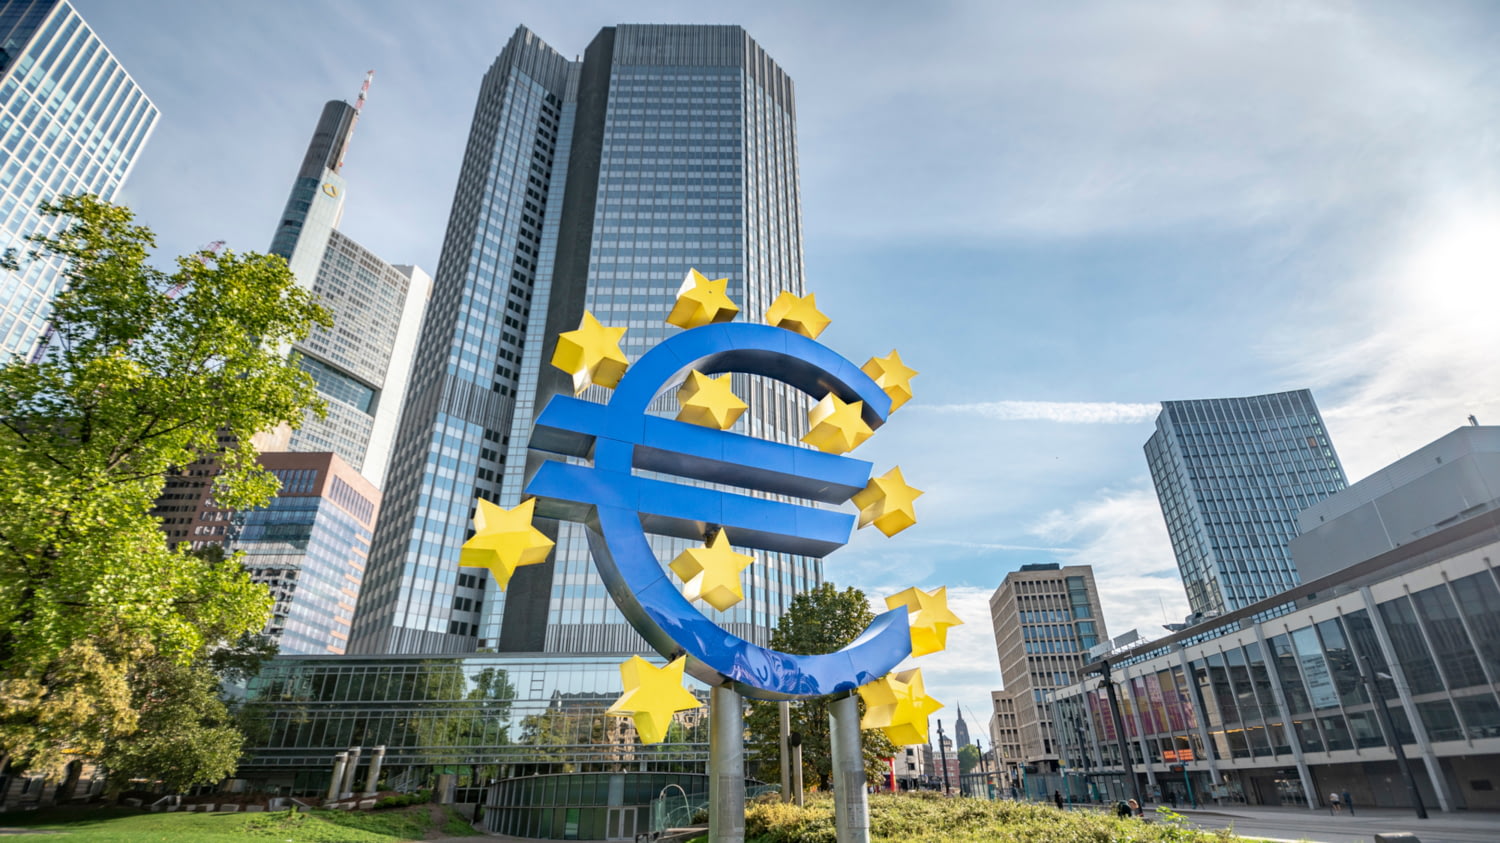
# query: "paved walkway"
{"points": [[1361, 827]]}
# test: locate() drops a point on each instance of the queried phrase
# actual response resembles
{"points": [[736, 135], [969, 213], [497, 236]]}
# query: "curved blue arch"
{"points": [[618, 508]]}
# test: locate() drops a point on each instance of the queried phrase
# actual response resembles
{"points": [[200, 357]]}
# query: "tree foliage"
{"points": [[100, 620], [968, 758], [820, 620]]}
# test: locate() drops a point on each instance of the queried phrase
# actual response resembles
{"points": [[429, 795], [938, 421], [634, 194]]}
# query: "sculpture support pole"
{"points": [[784, 712], [726, 766], [851, 806]]}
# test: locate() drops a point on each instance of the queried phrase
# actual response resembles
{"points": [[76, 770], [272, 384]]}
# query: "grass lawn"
{"points": [[110, 825]]}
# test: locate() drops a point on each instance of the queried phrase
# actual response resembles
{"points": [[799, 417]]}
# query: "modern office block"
{"points": [[310, 545], [1231, 475], [1046, 618], [71, 121], [591, 184], [1280, 711], [361, 363]]}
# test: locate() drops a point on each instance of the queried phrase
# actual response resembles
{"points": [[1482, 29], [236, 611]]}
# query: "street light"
{"points": [[1391, 737], [1114, 710]]}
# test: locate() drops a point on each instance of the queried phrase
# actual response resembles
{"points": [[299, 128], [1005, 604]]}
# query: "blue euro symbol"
{"points": [[619, 508]]}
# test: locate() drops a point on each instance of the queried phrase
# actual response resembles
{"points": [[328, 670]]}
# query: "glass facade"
{"points": [[310, 546], [479, 717], [71, 121], [1231, 475], [592, 184], [1287, 699]]}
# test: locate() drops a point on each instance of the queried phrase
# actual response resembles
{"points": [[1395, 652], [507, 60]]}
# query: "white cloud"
{"points": [[1407, 354], [1121, 534], [1067, 412]]}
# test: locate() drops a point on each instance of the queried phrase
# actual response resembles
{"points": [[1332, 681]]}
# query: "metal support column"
{"points": [[1288, 727], [851, 807], [1120, 739], [726, 766], [1403, 690]]}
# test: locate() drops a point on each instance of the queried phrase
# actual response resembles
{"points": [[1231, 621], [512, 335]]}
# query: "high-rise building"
{"points": [[362, 362], [1231, 475], [71, 121], [591, 184], [1046, 617]]}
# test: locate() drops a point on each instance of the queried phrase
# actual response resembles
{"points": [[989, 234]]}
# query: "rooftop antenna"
{"points": [[359, 104], [1473, 422]]}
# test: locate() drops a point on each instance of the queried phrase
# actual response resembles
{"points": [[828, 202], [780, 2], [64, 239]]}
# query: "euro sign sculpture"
{"points": [[620, 507]]}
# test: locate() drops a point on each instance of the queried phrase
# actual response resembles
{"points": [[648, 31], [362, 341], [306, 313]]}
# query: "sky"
{"points": [[1060, 214]]}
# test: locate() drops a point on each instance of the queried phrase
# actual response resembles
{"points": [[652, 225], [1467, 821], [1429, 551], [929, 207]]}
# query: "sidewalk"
{"points": [[1288, 823]]}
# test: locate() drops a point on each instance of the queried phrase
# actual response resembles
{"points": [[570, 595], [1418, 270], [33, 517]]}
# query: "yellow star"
{"points": [[891, 375], [712, 572], [504, 540], [652, 695], [898, 705], [887, 502], [702, 302], [800, 316], [709, 401], [927, 617], [835, 427], [591, 354]]}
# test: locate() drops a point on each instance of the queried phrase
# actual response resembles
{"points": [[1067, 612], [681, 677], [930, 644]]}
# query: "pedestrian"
{"points": [[1057, 798], [1349, 803], [1172, 795], [1135, 808], [1333, 803], [1122, 810]]}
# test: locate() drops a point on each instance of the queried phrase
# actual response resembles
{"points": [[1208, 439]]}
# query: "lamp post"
{"points": [[943, 752], [1390, 734], [1114, 711]]}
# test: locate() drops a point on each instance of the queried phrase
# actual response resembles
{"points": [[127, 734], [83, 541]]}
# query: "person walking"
{"points": [[1334, 807], [1135, 808], [1349, 803], [1057, 797]]}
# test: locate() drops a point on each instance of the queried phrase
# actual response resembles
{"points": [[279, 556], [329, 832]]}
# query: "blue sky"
{"points": [[1059, 213]]}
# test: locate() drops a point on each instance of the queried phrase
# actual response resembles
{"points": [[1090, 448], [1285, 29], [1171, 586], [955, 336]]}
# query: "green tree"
{"points": [[968, 758], [147, 370], [821, 620]]}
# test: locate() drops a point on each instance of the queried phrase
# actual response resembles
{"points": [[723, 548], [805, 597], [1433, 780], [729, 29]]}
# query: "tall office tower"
{"points": [[1231, 475], [586, 184], [362, 363], [1045, 617], [71, 121]]}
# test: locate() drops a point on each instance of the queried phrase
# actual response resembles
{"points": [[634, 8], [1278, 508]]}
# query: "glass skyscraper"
{"points": [[1231, 475], [71, 121], [592, 184], [361, 363]]}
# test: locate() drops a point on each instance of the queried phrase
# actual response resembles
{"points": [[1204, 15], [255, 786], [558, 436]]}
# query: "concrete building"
{"points": [[71, 121], [363, 361], [1231, 475], [1280, 710], [592, 184], [1046, 617]]}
